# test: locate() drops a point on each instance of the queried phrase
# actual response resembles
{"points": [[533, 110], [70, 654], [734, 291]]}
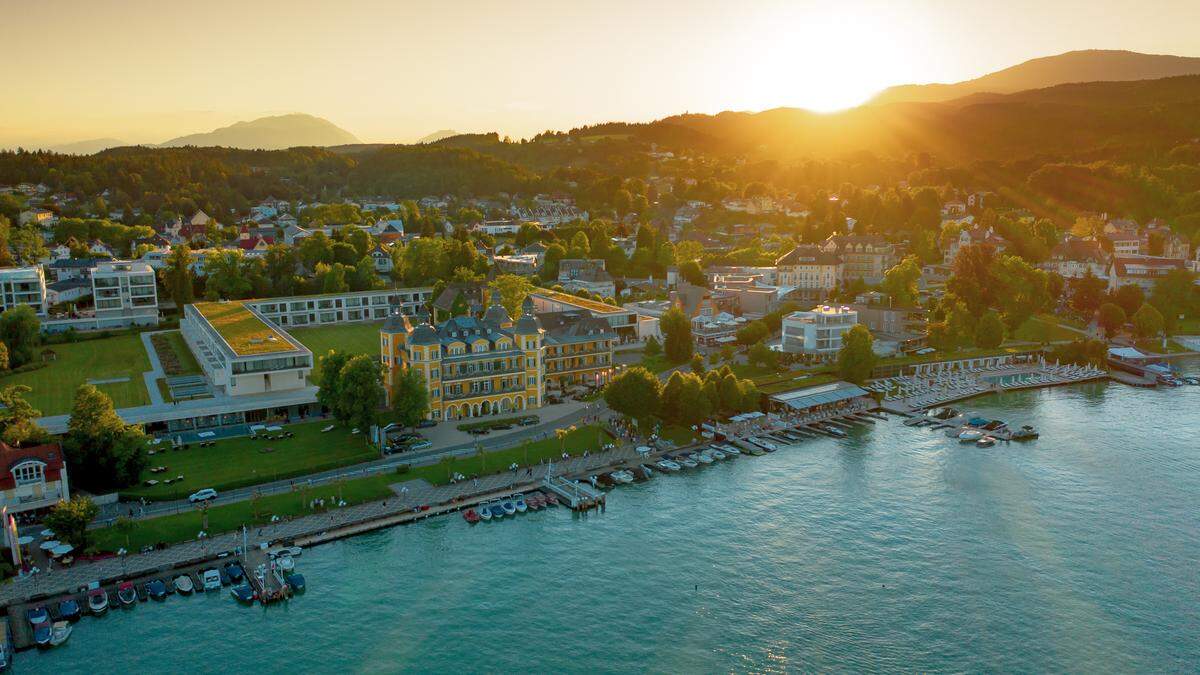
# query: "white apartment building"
{"points": [[817, 332], [316, 310], [23, 286], [241, 352], [124, 292]]}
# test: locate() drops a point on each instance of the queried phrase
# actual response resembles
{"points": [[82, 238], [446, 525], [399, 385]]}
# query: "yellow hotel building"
{"points": [[492, 365]]}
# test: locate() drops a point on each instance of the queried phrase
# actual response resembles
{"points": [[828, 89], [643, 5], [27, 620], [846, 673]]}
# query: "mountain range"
{"points": [[1091, 65]]}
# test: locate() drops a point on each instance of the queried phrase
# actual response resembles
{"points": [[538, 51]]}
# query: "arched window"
{"points": [[29, 473]]}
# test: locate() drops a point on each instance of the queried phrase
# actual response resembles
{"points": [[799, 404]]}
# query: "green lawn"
{"points": [[185, 526], [238, 462], [54, 385], [355, 338], [1044, 329], [656, 364], [779, 385]]}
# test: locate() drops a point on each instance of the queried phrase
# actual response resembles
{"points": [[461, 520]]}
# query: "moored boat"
{"points": [[508, 507], [497, 510], [211, 579], [687, 461], [704, 457], [156, 589], [667, 465], [59, 632], [622, 476], [37, 615], [126, 593], [471, 516], [286, 563], [970, 435], [986, 442], [551, 498], [184, 585], [730, 451], [484, 512], [42, 633], [520, 505], [716, 454], [242, 593], [293, 551], [235, 572], [97, 601], [296, 581], [69, 609]]}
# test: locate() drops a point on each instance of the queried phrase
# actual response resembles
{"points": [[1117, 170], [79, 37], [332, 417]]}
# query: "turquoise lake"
{"points": [[896, 549]]}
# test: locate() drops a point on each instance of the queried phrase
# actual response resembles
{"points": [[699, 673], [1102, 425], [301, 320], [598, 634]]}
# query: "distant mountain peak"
{"points": [[437, 136], [270, 133], [1089, 65]]}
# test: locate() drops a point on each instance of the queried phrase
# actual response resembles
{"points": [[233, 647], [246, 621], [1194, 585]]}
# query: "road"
{"points": [[110, 512]]}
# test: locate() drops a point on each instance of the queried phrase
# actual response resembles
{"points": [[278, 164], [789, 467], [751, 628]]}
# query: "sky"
{"points": [[145, 71]]}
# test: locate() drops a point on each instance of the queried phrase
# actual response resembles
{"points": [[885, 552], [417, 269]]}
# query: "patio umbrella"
{"points": [[61, 549], [25, 540], [47, 545], [47, 533]]}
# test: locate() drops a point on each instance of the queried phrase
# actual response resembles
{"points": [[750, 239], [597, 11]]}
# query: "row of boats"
{"points": [[519, 503]]}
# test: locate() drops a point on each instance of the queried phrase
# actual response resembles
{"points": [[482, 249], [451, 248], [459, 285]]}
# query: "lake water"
{"points": [[894, 549]]}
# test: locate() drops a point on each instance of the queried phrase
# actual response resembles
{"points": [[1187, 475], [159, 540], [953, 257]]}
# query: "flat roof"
{"points": [[568, 299], [821, 394], [243, 330]]}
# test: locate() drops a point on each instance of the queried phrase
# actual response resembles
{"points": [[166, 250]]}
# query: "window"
{"points": [[29, 473]]}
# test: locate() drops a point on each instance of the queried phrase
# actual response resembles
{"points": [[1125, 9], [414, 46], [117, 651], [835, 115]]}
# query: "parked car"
{"points": [[480, 431], [405, 438], [528, 421], [419, 445], [203, 495], [501, 427], [425, 424]]}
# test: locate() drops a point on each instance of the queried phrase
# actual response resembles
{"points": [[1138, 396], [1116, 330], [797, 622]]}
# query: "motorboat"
{"points": [[509, 508], [648, 471], [970, 435], [235, 572], [184, 585], [716, 454], [484, 512], [687, 461], [471, 516], [42, 633], [59, 632], [156, 589], [293, 551], [285, 563], [69, 609], [764, 444], [704, 457], [729, 451], [97, 601], [667, 465], [497, 510], [534, 501], [551, 498], [520, 505], [296, 581], [242, 593], [211, 579], [126, 593], [37, 615], [622, 476], [986, 442], [834, 430]]}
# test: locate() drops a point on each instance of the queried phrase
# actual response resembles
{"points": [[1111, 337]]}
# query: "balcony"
{"points": [[446, 396], [481, 374]]}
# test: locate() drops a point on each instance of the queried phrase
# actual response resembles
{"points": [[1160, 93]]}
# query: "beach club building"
{"points": [[34, 478], [242, 352]]}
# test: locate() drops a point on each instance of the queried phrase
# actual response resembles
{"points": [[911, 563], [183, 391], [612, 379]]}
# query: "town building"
{"points": [[864, 256], [348, 307], [811, 272], [1073, 258], [23, 286], [973, 236], [817, 332], [578, 350], [1143, 271], [622, 320], [124, 294], [589, 275], [35, 479], [241, 351]]}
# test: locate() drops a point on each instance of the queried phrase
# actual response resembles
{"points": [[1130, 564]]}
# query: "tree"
{"points": [[1130, 298], [653, 347], [677, 335], [225, 275], [330, 367], [410, 398], [360, 391], [753, 332], [512, 289], [20, 330], [1111, 317], [694, 405], [690, 271], [856, 359], [669, 399], [1148, 321], [1020, 289], [760, 354], [697, 364], [177, 275], [902, 282], [3, 357], [105, 452], [1087, 292], [550, 260], [70, 520], [1173, 295], [18, 424], [634, 393], [989, 332]]}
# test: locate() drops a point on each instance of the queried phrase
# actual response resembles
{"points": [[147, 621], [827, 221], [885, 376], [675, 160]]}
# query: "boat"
{"points": [[156, 589], [986, 442], [551, 498], [211, 579], [126, 593], [293, 551], [648, 471], [730, 451], [285, 563], [496, 510], [42, 633], [914, 421], [622, 476], [716, 454], [36, 615], [1025, 433], [764, 444], [970, 435], [834, 430], [509, 508], [59, 632], [704, 457], [471, 516], [687, 461], [98, 601], [484, 512], [184, 585], [667, 465], [296, 581], [235, 572], [520, 505], [535, 501], [242, 593], [69, 609]]}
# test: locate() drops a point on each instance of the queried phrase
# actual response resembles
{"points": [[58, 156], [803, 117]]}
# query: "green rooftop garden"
{"points": [[243, 330]]}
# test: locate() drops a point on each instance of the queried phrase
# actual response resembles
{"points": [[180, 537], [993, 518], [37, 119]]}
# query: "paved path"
{"points": [[156, 370], [572, 414]]}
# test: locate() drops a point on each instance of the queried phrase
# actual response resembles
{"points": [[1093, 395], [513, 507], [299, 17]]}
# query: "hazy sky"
{"points": [[144, 71]]}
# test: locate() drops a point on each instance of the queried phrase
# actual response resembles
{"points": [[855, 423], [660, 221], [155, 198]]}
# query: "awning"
{"points": [[809, 397]]}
